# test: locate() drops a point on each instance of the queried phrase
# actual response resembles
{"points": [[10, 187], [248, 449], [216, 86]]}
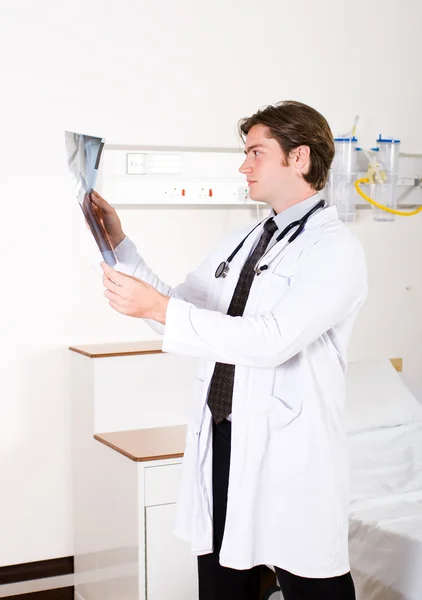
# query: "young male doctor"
{"points": [[265, 478]]}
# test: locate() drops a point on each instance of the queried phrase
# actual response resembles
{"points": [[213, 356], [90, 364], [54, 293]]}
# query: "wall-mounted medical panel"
{"points": [[138, 176], [142, 176]]}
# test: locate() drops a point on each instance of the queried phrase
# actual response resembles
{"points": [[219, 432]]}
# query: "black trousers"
{"points": [[221, 583]]}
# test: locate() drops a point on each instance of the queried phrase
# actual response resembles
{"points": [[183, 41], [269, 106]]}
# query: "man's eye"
{"points": [[256, 152]]}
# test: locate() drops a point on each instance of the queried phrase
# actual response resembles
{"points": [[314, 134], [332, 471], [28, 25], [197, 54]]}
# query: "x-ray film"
{"points": [[83, 158]]}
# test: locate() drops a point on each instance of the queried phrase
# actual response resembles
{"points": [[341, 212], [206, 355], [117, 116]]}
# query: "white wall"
{"points": [[170, 73]]}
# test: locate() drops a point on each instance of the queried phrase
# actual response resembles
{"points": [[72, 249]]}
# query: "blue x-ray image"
{"points": [[83, 158]]}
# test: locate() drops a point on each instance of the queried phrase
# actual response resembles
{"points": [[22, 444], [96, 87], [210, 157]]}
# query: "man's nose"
{"points": [[245, 167]]}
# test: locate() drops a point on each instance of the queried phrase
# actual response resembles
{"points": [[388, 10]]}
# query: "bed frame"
{"points": [[397, 364]]}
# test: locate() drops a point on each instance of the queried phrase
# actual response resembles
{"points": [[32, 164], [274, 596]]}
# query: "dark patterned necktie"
{"points": [[222, 381]]}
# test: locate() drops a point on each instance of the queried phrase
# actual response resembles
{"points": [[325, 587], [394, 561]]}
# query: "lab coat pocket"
{"points": [[289, 437], [284, 266], [283, 275], [275, 285], [286, 398]]}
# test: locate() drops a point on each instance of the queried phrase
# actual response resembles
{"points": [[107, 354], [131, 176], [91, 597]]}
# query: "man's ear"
{"points": [[300, 157]]}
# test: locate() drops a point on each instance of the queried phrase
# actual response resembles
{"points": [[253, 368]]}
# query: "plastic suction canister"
{"points": [[343, 176], [382, 176]]}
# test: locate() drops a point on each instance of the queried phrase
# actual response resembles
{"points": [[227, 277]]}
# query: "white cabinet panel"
{"points": [[137, 392], [162, 484], [171, 569]]}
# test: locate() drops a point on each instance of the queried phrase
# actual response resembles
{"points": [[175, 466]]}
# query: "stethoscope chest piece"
{"points": [[222, 269]]}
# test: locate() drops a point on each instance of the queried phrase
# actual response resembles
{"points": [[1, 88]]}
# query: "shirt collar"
{"points": [[295, 212]]}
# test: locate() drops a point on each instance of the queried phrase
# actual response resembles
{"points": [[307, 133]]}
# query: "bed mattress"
{"points": [[385, 538]]}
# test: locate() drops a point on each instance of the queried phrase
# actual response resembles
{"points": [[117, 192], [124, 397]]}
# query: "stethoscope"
{"points": [[224, 267]]}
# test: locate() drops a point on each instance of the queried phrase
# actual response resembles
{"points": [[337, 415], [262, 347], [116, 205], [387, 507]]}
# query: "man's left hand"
{"points": [[132, 297]]}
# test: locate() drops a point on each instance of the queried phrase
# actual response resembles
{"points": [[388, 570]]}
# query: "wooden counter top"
{"points": [[149, 347], [119, 349], [147, 444]]}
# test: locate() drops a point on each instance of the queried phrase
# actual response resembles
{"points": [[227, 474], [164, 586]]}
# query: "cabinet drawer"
{"points": [[162, 484]]}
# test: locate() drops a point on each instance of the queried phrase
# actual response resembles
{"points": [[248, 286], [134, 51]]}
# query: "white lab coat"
{"points": [[288, 490]]}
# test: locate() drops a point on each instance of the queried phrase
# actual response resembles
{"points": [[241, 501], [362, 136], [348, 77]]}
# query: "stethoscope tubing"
{"points": [[224, 267]]}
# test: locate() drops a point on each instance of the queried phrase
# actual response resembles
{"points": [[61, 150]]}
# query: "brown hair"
{"points": [[295, 124]]}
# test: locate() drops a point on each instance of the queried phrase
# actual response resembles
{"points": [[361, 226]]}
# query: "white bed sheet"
{"points": [[385, 540]]}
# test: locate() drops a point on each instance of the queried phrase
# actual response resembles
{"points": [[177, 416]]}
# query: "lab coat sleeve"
{"points": [[330, 285], [193, 290]]}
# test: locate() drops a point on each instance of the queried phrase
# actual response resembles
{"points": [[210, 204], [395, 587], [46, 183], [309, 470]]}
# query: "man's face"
{"points": [[264, 166]]}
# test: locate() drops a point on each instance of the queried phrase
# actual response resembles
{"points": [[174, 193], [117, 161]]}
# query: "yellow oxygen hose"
{"points": [[381, 206]]}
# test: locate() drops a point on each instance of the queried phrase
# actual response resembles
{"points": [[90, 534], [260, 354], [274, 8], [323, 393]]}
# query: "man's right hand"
{"points": [[108, 217]]}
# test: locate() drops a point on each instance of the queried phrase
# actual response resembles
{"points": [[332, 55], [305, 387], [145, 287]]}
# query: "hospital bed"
{"points": [[384, 426], [384, 423]]}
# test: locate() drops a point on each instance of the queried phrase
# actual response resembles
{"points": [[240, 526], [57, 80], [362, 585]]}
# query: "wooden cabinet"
{"points": [[125, 480]]}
